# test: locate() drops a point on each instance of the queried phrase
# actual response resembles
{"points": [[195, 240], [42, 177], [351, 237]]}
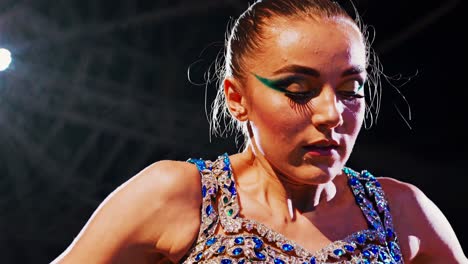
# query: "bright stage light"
{"points": [[5, 59]]}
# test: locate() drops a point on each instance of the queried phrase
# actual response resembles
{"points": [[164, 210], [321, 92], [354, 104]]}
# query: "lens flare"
{"points": [[5, 59]]}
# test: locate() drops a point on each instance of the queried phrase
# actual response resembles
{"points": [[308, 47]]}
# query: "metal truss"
{"points": [[93, 109], [104, 90]]}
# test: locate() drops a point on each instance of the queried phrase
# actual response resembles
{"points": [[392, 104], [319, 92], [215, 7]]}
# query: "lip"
{"points": [[323, 147]]}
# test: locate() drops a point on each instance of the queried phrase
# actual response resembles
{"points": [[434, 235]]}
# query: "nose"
{"points": [[327, 110]]}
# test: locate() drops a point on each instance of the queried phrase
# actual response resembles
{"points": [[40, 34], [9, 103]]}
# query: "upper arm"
{"points": [[149, 211], [427, 233]]}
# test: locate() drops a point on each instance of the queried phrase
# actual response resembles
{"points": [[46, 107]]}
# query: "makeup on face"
{"points": [[300, 88]]}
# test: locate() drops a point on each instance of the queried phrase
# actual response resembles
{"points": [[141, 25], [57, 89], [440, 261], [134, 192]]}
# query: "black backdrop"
{"points": [[98, 90]]}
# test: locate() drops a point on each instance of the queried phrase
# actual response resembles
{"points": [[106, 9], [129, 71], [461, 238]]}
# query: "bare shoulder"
{"points": [[425, 233], [151, 213], [171, 177], [400, 194]]}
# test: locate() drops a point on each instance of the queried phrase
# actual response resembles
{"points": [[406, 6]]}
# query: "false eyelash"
{"points": [[285, 82], [299, 97], [303, 95], [352, 95]]}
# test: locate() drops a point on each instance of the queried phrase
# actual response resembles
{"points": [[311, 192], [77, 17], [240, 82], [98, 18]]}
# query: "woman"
{"points": [[293, 82]]}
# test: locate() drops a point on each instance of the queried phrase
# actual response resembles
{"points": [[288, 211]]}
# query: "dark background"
{"points": [[98, 90]]}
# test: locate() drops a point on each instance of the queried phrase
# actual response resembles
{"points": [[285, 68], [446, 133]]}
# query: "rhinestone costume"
{"points": [[248, 241]]}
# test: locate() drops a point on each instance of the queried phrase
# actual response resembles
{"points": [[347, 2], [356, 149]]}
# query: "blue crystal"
{"points": [[237, 251], [209, 209], [366, 253], [396, 257], [378, 197], [199, 256], [287, 247], [226, 261], [359, 199], [338, 252], [221, 249], [203, 191], [259, 255], [389, 233], [258, 242], [279, 261], [210, 241], [384, 257], [232, 189], [349, 248], [239, 240], [226, 159], [353, 181], [376, 225], [372, 212], [312, 260], [200, 164], [374, 249], [242, 261], [394, 250], [361, 238]]}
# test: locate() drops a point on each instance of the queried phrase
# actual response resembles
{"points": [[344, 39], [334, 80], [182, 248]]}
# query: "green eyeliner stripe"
{"points": [[272, 84], [269, 83], [362, 86]]}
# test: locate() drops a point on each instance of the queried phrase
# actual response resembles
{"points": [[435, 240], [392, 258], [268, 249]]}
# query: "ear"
{"points": [[235, 99]]}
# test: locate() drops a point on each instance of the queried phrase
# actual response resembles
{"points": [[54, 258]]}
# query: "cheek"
{"points": [[353, 116], [276, 120]]}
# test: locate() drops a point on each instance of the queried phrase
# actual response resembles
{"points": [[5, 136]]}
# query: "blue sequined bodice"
{"points": [[248, 241]]}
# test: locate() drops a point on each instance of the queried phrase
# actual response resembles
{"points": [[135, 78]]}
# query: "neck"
{"points": [[276, 191]]}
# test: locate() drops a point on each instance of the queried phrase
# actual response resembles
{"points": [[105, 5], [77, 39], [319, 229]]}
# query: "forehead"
{"points": [[323, 44]]}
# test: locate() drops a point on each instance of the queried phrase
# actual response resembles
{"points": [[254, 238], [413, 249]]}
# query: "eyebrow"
{"points": [[293, 68], [353, 70]]}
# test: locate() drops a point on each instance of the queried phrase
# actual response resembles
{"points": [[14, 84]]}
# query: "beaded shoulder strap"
{"points": [[209, 216], [370, 195], [228, 206]]}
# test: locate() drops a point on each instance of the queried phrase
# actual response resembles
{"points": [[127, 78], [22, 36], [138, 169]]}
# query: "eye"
{"points": [[296, 88], [351, 90], [291, 84]]}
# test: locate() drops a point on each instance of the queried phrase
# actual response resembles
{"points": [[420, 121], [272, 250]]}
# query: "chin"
{"points": [[317, 174]]}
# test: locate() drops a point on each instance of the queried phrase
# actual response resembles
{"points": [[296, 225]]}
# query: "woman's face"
{"points": [[304, 97]]}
